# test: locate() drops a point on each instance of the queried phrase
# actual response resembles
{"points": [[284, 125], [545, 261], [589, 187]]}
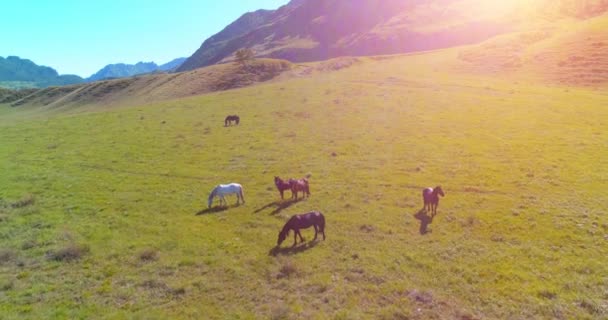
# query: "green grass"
{"points": [[522, 232]]}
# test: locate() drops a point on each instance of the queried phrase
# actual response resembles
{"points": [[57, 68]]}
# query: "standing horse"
{"points": [[299, 185], [430, 197], [282, 185], [302, 221], [223, 189], [229, 119]]}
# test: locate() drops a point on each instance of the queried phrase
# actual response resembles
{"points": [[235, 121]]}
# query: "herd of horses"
{"points": [[430, 197]]}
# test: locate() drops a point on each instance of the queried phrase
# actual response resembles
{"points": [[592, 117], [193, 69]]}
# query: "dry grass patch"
{"points": [[148, 255], [70, 252], [26, 200]]}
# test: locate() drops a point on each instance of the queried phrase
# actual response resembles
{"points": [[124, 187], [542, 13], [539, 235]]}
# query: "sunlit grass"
{"points": [[521, 232]]}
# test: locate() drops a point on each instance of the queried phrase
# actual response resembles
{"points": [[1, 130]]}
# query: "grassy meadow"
{"points": [[103, 210]]}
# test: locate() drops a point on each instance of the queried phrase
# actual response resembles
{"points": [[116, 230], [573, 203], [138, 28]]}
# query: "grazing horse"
{"points": [[282, 185], [431, 199], [223, 189], [303, 221], [299, 185], [229, 119]]}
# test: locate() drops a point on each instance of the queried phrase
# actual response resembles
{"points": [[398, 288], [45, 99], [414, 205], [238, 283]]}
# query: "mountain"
{"points": [[308, 30], [122, 70], [172, 65], [22, 73], [215, 45]]}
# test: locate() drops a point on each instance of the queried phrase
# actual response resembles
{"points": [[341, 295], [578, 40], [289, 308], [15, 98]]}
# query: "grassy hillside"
{"points": [[156, 87], [103, 211], [568, 53]]}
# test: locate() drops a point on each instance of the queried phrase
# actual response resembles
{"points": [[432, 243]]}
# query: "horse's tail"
{"points": [[306, 186], [322, 224], [241, 194]]}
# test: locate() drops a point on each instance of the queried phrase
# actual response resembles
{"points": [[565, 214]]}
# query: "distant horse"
{"points": [[303, 221], [431, 199], [299, 185], [282, 185], [229, 119], [223, 189]]}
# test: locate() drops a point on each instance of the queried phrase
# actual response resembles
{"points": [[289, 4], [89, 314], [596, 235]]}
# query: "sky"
{"points": [[82, 36]]}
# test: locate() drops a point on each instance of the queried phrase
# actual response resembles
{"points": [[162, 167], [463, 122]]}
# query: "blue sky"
{"points": [[82, 36]]}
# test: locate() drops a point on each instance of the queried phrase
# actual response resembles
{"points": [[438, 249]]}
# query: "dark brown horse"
{"points": [[282, 185], [303, 221], [229, 119], [430, 197], [299, 185]]}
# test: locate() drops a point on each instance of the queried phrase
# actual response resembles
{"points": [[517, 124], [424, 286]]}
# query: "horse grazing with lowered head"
{"points": [[430, 197], [282, 185], [224, 189], [229, 119], [299, 185], [302, 221]]}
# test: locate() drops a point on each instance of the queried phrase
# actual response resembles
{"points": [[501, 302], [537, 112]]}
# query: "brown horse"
{"points": [[299, 185], [282, 185], [430, 197], [303, 221], [229, 119]]}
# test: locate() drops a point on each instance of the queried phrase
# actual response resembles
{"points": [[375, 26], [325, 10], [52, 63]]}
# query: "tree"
{"points": [[243, 56]]}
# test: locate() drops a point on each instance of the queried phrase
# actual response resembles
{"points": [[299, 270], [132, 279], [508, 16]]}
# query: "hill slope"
{"points": [[311, 30], [569, 53], [155, 87]]}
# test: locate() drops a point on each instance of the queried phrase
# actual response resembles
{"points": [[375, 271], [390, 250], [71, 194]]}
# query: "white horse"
{"points": [[223, 189]]}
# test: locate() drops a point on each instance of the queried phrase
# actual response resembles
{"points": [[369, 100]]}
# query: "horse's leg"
{"points": [[281, 191], [301, 239], [295, 237], [316, 231]]}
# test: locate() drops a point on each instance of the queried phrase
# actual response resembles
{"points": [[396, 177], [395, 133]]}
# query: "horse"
{"points": [[299, 185], [282, 185], [430, 197], [302, 221], [229, 119], [223, 189]]}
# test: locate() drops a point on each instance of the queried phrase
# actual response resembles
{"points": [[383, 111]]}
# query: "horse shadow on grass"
{"points": [[216, 209], [287, 251], [425, 220], [278, 206]]}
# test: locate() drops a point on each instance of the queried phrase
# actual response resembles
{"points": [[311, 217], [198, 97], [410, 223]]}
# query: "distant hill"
{"points": [[309, 30], [150, 87], [121, 70], [23, 73]]}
